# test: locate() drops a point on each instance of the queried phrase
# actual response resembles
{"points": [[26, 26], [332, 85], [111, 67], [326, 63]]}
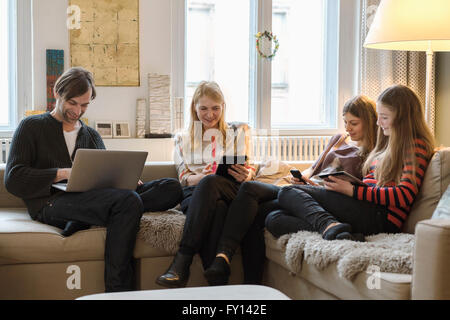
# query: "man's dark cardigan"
{"points": [[37, 151]]}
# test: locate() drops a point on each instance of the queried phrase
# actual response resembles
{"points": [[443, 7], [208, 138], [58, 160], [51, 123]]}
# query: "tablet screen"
{"points": [[227, 162]]}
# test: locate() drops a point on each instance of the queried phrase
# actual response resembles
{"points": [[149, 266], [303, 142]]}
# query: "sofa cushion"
{"points": [[443, 208], [14, 220], [435, 182], [274, 172], [26, 241], [7, 200], [158, 170]]}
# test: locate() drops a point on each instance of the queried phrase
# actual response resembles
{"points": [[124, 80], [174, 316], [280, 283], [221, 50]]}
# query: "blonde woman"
{"points": [[394, 173], [198, 154]]}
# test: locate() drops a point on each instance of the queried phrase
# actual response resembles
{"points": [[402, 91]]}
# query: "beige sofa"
{"points": [[36, 262]]}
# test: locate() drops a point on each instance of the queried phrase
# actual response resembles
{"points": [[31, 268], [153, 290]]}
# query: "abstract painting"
{"points": [[55, 68]]}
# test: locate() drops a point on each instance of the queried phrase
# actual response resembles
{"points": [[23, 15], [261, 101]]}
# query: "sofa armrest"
{"points": [[431, 273]]}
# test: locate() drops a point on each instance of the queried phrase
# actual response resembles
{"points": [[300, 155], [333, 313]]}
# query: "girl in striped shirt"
{"points": [[394, 172]]}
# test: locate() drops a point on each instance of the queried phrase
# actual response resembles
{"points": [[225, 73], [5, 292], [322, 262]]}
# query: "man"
{"points": [[41, 154]]}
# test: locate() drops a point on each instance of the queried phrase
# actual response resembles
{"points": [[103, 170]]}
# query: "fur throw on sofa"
{"points": [[390, 252], [162, 230]]}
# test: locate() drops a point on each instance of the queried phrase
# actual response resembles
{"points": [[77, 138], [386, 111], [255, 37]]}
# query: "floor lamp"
{"points": [[412, 25]]}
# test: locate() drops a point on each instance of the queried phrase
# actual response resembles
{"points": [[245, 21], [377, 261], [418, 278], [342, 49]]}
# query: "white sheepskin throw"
{"points": [[390, 252], [162, 230]]}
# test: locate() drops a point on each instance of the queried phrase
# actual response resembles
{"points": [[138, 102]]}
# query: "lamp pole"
{"points": [[429, 73]]}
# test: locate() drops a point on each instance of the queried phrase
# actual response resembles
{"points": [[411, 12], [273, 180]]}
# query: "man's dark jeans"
{"points": [[120, 212]]}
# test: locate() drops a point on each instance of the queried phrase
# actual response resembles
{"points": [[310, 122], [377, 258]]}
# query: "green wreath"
{"points": [[270, 37]]}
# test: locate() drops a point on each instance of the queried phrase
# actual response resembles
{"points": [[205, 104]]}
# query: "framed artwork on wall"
{"points": [[105, 40], [121, 130], [104, 128]]}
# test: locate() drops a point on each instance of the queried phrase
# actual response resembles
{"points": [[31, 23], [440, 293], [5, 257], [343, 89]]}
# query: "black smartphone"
{"points": [[297, 174], [227, 162]]}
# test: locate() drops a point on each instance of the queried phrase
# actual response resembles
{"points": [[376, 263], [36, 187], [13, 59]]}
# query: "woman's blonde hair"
{"points": [[364, 108], [211, 90], [392, 152]]}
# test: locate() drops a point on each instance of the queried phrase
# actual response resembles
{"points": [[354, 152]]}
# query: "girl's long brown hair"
{"points": [[392, 152], [364, 108]]}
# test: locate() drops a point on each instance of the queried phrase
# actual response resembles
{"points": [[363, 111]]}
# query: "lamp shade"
{"points": [[411, 25]]}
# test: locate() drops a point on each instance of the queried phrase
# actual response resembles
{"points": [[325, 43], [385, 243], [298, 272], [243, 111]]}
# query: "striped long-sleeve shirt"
{"points": [[397, 198]]}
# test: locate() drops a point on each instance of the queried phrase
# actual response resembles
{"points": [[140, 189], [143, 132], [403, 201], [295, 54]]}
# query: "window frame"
{"points": [[20, 62], [346, 78], [11, 72]]}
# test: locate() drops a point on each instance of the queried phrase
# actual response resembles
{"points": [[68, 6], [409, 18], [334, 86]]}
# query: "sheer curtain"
{"points": [[381, 68]]}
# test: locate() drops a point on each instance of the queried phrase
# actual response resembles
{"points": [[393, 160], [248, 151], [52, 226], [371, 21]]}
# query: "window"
{"points": [[218, 49], [6, 107], [302, 77], [301, 90], [15, 62], [200, 44]]}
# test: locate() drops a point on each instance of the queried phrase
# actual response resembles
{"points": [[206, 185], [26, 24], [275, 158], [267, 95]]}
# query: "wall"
{"points": [[112, 103], [119, 103], [443, 98]]}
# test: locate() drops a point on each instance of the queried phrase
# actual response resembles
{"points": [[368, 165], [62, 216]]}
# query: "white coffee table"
{"points": [[229, 292]]}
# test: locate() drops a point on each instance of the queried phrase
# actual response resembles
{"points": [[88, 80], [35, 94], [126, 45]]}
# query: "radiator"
{"points": [[288, 148], [4, 149]]}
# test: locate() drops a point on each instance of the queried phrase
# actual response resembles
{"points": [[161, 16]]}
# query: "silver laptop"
{"points": [[98, 169]]}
